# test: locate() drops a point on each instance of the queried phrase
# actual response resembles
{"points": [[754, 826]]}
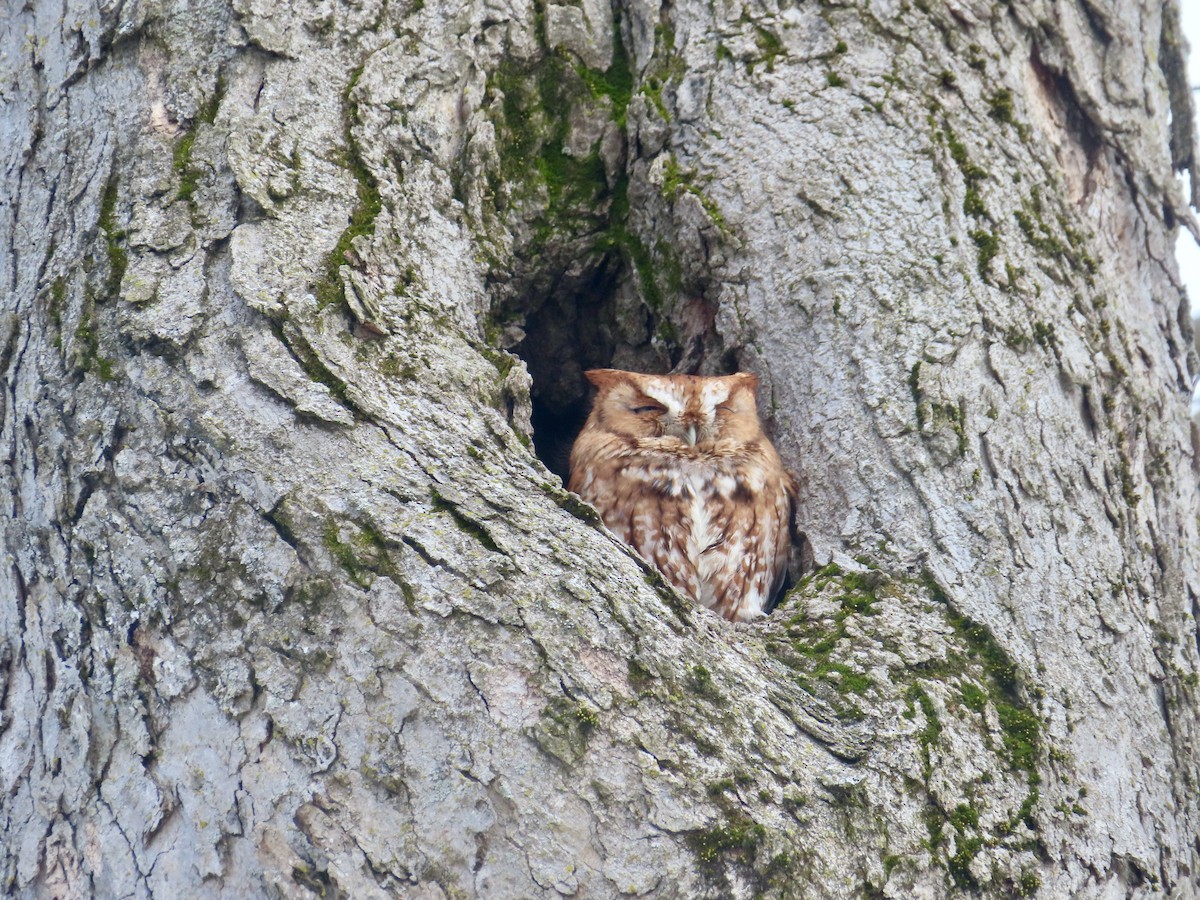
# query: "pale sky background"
{"points": [[1186, 250]]}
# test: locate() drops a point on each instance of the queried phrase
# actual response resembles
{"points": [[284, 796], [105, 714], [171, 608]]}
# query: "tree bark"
{"points": [[293, 600]]}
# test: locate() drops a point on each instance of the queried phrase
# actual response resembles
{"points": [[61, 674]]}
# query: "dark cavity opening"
{"points": [[594, 316], [582, 317]]}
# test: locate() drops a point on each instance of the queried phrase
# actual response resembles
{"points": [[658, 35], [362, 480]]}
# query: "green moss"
{"points": [[312, 364], [973, 202], [1016, 339], [615, 82], [1038, 235], [565, 727], [664, 39], [1045, 335], [572, 504], [619, 237], [368, 203], [670, 597], [343, 554], [935, 826], [714, 211], [1076, 240], [987, 246], [677, 181], [653, 90], [572, 195], [1043, 238], [964, 816], [1019, 726], [973, 696], [1000, 106], [504, 362], [858, 597], [58, 299], [363, 556], [958, 152], [959, 864], [1028, 883], [914, 388], [118, 257], [567, 196], [521, 119], [87, 346], [317, 881], [395, 367], [1125, 474], [770, 47], [465, 523], [1021, 732], [208, 112], [189, 177], [848, 681], [547, 94], [1024, 815], [953, 416], [570, 180], [405, 282], [699, 682], [809, 650], [670, 267], [738, 840], [58, 303], [932, 732], [720, 787], [833, 79], [313, 593], [587, 717], [640, 678]]}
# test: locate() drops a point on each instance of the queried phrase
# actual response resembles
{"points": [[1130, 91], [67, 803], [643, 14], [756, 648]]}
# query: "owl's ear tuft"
{"points": [[602, 378], [747, 380]]}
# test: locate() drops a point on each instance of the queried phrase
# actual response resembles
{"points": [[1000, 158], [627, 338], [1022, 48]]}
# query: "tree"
{"points": [[294, 602]]}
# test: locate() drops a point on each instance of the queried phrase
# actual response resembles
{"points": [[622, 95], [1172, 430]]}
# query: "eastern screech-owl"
{"points": [[679, 468]]}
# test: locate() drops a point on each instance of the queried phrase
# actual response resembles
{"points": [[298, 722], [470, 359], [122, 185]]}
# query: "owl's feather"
{"points": [[679, 468]]}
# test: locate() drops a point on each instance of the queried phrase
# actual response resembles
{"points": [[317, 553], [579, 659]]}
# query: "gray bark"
{"points": [[289, 603]]}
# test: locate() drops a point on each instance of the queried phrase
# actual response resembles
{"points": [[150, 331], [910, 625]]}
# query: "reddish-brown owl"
{"points": [[679, 468]]}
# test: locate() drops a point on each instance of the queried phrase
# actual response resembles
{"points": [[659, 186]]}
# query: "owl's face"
{"points": [[692, 410]]}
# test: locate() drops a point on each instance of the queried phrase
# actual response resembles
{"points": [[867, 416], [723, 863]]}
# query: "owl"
{"points": [[679, 468]]}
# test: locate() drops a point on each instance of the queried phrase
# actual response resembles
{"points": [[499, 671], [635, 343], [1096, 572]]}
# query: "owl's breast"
{"points": [[673, 483], [697, 477]]}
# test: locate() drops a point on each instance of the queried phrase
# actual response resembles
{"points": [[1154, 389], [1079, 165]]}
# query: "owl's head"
{"points": [[692, 409]]}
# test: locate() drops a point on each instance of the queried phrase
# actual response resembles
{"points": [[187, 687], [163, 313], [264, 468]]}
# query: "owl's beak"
{"points": [[691, 435]]}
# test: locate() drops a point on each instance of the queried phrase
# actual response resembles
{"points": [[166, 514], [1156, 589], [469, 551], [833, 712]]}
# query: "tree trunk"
{"points": [[293, 600]]}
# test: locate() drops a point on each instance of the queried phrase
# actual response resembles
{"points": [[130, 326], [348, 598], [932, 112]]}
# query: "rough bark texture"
{"points": [[289, 605]]}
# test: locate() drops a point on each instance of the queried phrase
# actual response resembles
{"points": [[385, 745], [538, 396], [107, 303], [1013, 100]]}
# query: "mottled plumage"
{"points": [[679, 468]]}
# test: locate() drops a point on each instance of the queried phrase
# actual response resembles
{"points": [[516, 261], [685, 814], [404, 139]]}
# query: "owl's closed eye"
{"points": [[679, 468]]}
